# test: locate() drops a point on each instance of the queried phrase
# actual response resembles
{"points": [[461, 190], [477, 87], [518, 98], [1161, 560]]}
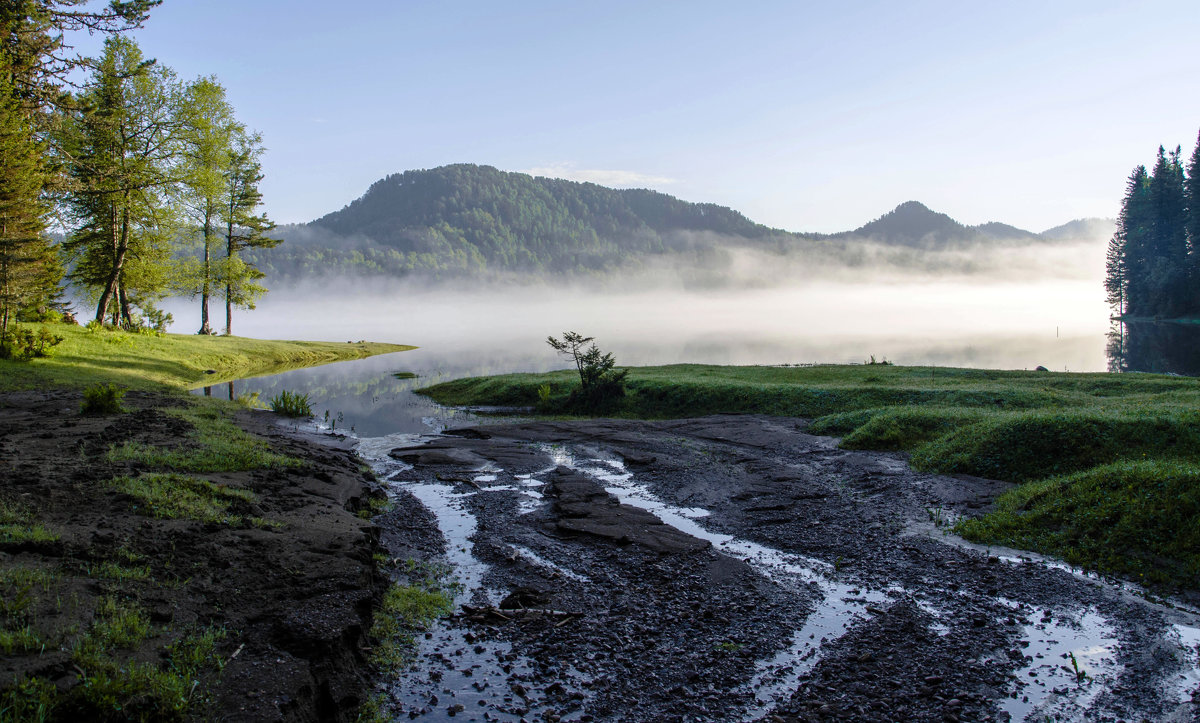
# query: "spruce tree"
{"points": [[25, 255], [1133, 238], [1192, 196]]}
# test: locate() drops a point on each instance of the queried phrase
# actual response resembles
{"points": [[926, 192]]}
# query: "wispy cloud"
{"points": [[615, 178]]}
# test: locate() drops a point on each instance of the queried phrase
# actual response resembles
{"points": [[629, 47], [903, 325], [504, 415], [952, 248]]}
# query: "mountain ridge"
{"points": [[465, 219]]}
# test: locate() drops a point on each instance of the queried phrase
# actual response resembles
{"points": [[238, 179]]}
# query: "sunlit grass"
{"points": [[172, 495], [136, 360], [217, 444]]}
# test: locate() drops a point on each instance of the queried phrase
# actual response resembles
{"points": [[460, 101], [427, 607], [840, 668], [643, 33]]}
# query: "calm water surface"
{"points": [[1063, 326]]}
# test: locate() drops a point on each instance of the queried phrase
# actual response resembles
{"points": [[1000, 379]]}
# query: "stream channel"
{"points": [[800, 581]]}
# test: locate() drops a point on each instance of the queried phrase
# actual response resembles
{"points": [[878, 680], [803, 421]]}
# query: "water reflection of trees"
{"points": [[1164, 348]]}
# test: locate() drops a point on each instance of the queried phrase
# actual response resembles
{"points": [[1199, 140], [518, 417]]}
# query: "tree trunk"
{"points": [[110, 287], [228, 282], [204, 289]]}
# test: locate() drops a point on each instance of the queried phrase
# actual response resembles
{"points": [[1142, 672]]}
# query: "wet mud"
{"points": [[736, 568]]}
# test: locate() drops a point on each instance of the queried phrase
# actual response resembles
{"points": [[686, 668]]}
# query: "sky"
{"points": [[806, 116]]}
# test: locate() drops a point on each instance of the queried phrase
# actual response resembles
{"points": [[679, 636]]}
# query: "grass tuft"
{"points": [[171, 496]]}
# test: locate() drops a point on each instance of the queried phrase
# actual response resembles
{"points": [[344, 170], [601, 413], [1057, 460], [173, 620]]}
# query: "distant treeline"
{"points": [[475, 221], [466, 219], [1153, 259]]}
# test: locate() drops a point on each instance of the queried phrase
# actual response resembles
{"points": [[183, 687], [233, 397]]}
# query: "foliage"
{"points": [[291, 404], [102, 399], [22, 343], [23, 246], [600, 385], [123, 149], [1153, 264]]}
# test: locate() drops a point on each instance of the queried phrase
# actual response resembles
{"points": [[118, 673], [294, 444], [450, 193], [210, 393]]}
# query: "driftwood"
{"points": [[491, 611]]}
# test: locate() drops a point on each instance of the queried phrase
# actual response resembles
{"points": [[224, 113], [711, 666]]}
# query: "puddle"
{"points": [[484, 677], [840, 606], [463, 677], [1187, 684], [543, 562], [1069, 663]]}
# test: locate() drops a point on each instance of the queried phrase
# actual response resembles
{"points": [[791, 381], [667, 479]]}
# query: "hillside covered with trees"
{"points": [[469, 220], [1153, 262]]}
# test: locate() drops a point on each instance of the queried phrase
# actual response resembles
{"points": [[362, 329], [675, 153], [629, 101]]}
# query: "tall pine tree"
{"points": [[24, 249]]}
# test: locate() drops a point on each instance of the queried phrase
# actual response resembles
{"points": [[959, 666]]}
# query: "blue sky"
{"points": [[815, 116]]}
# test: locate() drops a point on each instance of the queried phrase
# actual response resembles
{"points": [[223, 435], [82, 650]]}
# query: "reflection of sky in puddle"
{"points": [[1048, 686], [840, 605]]}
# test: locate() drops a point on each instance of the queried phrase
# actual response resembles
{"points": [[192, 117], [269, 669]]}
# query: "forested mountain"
{"points": [[468, 220], [913, 224]]}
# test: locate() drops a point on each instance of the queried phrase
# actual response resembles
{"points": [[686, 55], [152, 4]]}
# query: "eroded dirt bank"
{"points": [[736, 568], [291, 594]]}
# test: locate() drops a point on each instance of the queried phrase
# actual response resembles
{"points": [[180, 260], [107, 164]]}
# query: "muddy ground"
{"points": [[294, 599], [736, 568]]}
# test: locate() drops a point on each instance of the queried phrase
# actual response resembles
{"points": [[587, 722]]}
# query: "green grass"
{"points": [[18, 525], [171, 496], [143, 361], [406, 610], [1140, 520], [216, 444], [1063, 436]]}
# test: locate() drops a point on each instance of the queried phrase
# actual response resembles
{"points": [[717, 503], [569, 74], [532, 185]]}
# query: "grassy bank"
{"points": [[145, 361], [1097, 454]]}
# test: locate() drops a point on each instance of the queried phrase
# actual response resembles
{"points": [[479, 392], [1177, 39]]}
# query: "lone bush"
{"points": [[102, 399], [600, 383], [22, 343], [291, 404]]}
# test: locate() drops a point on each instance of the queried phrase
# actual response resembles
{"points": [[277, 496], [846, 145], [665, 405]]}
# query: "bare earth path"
{"points": [[736, 568]]}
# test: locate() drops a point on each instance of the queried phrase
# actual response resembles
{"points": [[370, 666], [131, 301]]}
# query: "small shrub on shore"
{"points": [[291, 404], [20, 343], [102, 399]]}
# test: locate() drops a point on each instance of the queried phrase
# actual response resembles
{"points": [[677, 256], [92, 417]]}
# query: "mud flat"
{"points": [[285, 591], [736, 568]]}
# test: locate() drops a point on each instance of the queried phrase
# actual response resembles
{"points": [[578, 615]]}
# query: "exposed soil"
{"points": [[294, 599], [736, 568]]}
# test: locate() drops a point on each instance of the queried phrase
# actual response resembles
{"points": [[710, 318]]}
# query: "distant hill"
{"points": [[468, 220], [1081, 229], [915, 225]]}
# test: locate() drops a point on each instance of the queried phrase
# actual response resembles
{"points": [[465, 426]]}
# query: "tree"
{"points": [[1192, 197], [123, 149], [1116, 274], [33, 37], [23, 246], [243, 228], [208, 129], [1133, 238], [599, 382]]}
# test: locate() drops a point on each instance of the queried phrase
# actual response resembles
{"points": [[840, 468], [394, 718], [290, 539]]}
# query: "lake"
{"points": [[1062, 325]]}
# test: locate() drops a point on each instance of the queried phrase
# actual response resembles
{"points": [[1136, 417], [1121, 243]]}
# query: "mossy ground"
{"points": [[1069, 438]]}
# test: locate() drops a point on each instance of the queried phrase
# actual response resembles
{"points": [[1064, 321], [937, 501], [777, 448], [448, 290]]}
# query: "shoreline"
{"points": [[180, 557]]}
